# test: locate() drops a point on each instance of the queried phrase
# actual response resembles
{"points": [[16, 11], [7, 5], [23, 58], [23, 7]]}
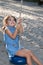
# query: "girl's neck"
{"points": [[10, 26]]}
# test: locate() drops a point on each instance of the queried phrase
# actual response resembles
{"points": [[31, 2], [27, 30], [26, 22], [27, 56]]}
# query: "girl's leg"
{"points": [[28, 54], [35, 58], [29, 62], [24, 53]]}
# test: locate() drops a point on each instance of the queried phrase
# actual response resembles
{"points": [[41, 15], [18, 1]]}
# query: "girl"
{"points": [[12, 39]]}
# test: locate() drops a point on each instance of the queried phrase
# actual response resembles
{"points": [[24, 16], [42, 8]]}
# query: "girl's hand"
{"points": [[19, 20], [18, 27]]}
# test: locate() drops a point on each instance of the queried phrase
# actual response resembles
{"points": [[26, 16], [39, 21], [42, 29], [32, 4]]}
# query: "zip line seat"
{"points": [[17, 60]]}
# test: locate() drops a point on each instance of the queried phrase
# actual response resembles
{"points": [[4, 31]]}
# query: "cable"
{"points": [[21, 7], [20, 16]]}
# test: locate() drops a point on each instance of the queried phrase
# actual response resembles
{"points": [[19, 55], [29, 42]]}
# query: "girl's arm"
{"points": [[21, 27], [12, 35]]}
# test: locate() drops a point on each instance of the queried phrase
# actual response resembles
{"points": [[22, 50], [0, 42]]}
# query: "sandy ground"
{"points": [[32, 38]]}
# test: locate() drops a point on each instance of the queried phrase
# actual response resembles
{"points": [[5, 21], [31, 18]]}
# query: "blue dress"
{"points": [[12, 44]]}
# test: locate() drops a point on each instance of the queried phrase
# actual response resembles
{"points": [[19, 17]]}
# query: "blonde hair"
{"points": [[5, 20]]}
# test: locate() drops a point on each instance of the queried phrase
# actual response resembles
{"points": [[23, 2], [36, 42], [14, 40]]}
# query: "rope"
{"points": [[21, 7], [20, 16]]}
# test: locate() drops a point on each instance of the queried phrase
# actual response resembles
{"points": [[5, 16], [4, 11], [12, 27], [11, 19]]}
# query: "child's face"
{"points": [[11, 21]]}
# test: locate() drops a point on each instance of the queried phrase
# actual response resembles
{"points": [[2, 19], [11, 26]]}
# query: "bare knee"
{"points": [[30, 52], [27, 55], [27, 52]]}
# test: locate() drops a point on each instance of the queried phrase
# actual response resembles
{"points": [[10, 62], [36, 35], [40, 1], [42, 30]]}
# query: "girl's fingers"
{"points": [[19, 20], [18, 26]]}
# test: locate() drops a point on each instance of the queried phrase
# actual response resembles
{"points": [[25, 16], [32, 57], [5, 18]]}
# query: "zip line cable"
{"points": [[20, 16], [21, 7]]}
